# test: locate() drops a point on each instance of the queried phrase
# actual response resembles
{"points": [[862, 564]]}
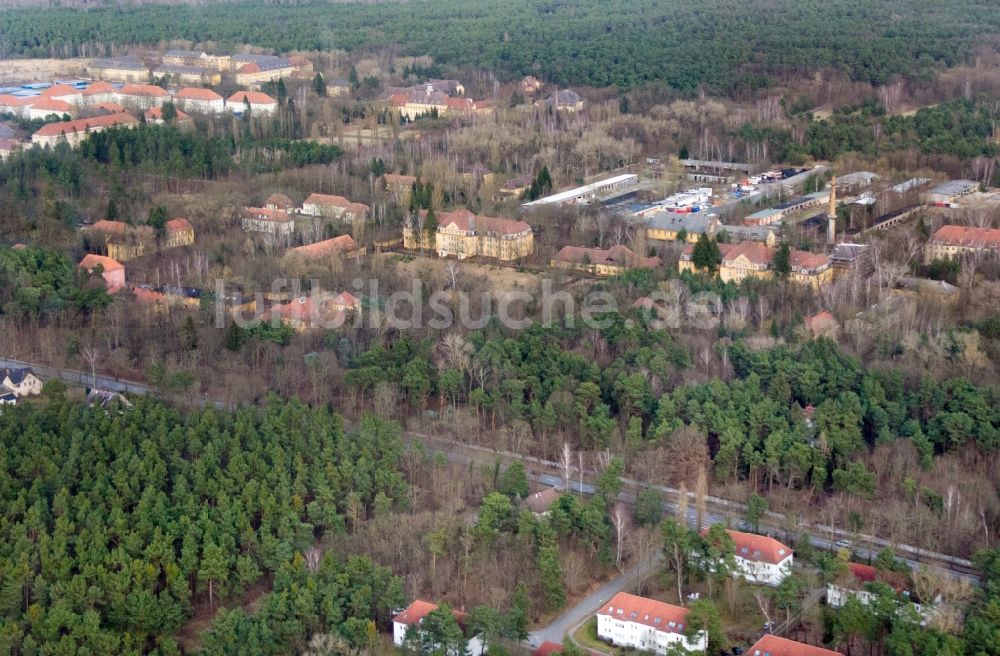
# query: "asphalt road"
{"points": [[718, 510], [586, 607]]}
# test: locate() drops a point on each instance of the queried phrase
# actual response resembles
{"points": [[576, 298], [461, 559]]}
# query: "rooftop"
{"points": [[956, 235], [759, 548], [772, 645], [616, 256], [341, 244], [657, 614], [196, 93], [90, 261], [955, 187], [84, 124], [254, 98]]}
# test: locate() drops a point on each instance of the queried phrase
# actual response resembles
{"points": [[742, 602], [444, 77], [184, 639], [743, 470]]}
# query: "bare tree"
{"points": [[682, 504], [565, 464], [619, 518], [700, 490]]}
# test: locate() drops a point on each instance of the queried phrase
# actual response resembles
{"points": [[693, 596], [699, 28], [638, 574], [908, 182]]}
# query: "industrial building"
{"points": [[583, 195]]}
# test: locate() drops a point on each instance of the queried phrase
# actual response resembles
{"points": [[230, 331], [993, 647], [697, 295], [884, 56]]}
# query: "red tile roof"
{"points": [[342, 244], [98, 88], [156, 114], [547, 648], [656, 614], [415, 612], [83, 124], [818, 322], [255, 97], [143, 90], [806, 260], [772, 645], [249, 68], [281, 201], [61, 90], [8, 100], [194, 93], [759, 548], [898, 581], [540, 502], [145, 296], [467, 221], [614, 256], [326, 199], [755, 251], [110, 107], [956, 235], [110, 227], [178, 224], [90, 262], [326, 309], [52, 104]]}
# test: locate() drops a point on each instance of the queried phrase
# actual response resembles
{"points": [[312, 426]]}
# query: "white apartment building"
{"points": [[761, 559], [628, 620]]}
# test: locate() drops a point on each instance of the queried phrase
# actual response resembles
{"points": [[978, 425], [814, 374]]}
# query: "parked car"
{"points": [[842, 544]]}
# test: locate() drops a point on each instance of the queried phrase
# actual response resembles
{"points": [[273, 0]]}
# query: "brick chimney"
{"points": [[831, 214]]}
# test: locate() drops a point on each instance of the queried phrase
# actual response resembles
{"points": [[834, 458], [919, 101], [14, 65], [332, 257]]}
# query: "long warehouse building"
{"points": [[587, 193]]}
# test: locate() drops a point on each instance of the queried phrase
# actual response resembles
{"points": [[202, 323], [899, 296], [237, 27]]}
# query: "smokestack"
{"points": [[831, 214]]}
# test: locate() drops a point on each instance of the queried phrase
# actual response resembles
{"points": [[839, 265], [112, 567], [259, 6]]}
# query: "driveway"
{"points": [[586, 607]]}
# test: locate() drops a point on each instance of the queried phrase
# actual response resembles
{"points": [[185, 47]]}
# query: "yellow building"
{"points": [[953, 241], [749, 259], [462, 234], [601, 261], [179, 232], [126, 69]]}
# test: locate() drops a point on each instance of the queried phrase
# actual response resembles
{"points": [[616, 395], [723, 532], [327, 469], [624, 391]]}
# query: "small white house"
{"points": [[21, 382], [761, 559], [645, 624], [855, 584], [414, 615]]}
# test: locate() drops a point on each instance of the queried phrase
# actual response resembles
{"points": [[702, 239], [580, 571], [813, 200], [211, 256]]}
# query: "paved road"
{"points": [[80, 378], [718, 510], [586, 607]]}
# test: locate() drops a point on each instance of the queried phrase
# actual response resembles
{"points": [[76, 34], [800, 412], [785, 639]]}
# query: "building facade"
{"points": [[761, 559], [646, 625], [954, 241], [601, 261], [269, 222], [74, 132], [127, 69], [462, 234]]}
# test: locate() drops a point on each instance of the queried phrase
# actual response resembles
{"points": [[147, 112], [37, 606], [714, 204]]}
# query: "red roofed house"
{"points": [[195, 99], [754, 259], [76, 131], [822, 324], [761, 559], [602, 261], [952, 241], [415, 613], [645, 624], [772, 645], [857, 583], [271, 222], [142, 96], [15, 105], [109, 107], [154, 116], [179, 232], [463, 234], [43, 106], [122, 242], [344, 244], [64, 92], [337, 207], [260, 103], [113, 272], [315, 311], [279, 202], [150, 298], [98, 92]]}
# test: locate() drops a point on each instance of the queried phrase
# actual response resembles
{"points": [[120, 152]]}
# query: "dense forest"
{"points": [[727, 47], [116, 523]]}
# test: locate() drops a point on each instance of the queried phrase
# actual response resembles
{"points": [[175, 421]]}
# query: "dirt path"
{"points": [[189, 635]]}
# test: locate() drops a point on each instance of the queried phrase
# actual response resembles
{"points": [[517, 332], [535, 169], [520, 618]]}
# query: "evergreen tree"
{"points": [[319, 85], [706, 255], [169, 112], [281, 92], [782, 261]]}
